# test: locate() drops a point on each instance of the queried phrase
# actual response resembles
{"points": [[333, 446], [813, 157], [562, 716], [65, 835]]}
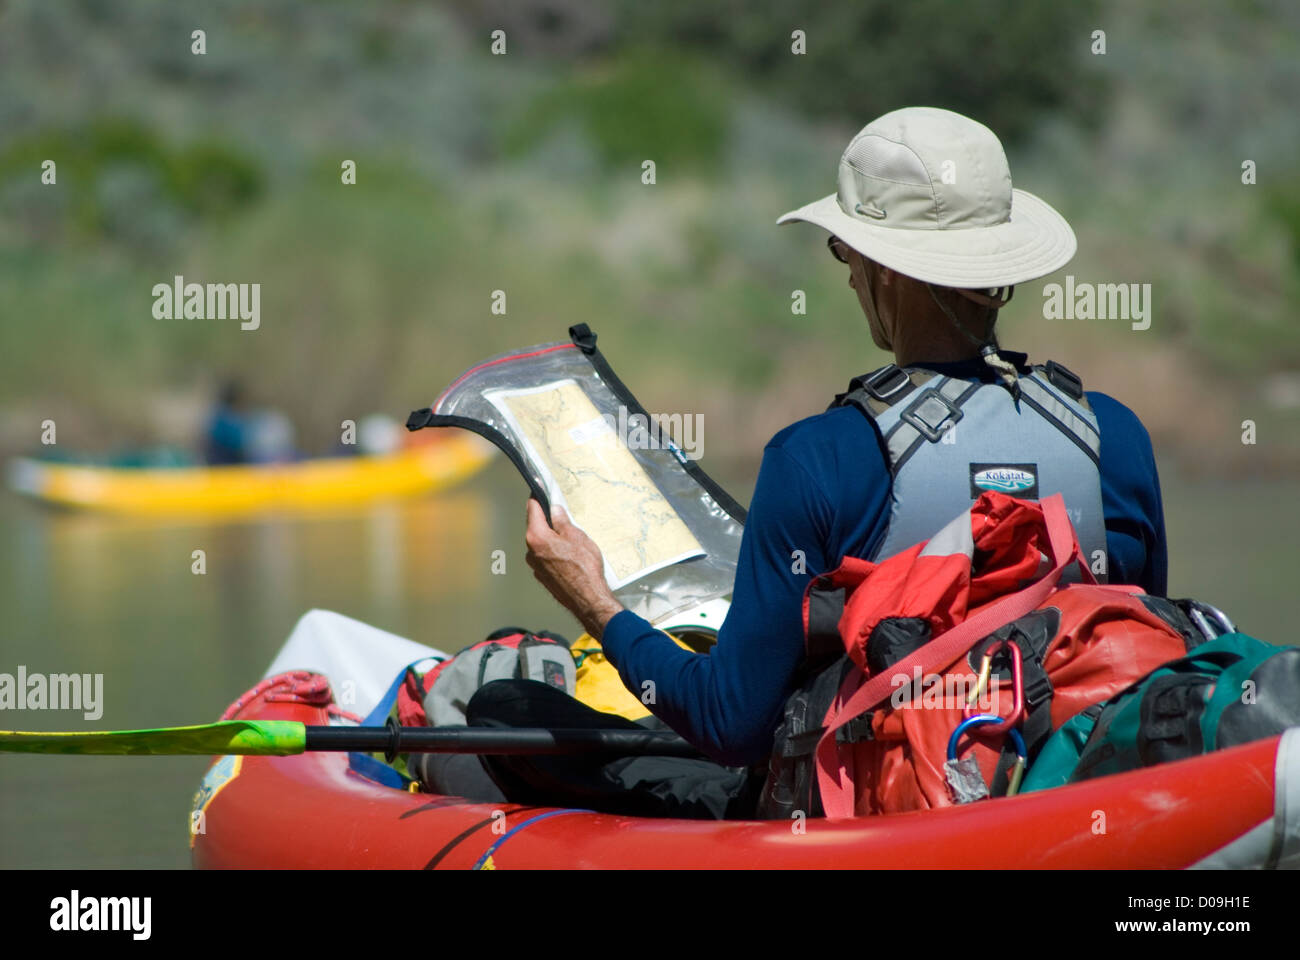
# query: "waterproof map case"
{"points": [[669, 534]]}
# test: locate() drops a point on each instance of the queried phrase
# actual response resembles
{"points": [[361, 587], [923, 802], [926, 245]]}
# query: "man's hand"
{"points": [[568, 563]]}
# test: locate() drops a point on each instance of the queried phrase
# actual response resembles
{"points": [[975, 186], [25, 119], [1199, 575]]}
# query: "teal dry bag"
{"points": [[1227, 691]]}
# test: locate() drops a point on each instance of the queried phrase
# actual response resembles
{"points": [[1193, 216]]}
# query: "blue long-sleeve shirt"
{"points": [[824, 488]]}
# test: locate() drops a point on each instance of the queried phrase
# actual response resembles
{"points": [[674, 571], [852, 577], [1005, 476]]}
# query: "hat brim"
{"points": [[1034, 242]]}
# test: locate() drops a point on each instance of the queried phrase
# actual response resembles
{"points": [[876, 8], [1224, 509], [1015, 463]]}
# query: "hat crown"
{"points": [[922, 168]]}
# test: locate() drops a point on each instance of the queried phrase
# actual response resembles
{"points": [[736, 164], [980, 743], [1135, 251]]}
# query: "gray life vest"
{"points": [[949, 439]]}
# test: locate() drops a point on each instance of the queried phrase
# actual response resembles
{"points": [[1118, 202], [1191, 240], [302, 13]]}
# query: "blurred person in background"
{"points": [[226, 434], [236, 434]]}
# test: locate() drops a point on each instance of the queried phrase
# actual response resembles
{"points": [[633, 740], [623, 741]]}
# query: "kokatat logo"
{"points": [[1005, 480]]}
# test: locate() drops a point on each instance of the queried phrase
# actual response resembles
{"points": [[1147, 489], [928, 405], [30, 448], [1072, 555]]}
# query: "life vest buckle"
{"points": [[1064, 379], [886, 383], [932, 414]]}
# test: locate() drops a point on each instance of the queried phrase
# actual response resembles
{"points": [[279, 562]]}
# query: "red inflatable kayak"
{"points": [[1235, 808]]}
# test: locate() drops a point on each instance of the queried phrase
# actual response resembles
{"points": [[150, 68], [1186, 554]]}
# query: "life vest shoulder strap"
{"points": [[875, 392], [878, 390], [1056, 395], [933, 405], [1052, 390], [1064, 379]]}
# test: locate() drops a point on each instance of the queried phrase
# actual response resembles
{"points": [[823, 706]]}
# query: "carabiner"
{"points": [[1017, 741], [1017, 689]]}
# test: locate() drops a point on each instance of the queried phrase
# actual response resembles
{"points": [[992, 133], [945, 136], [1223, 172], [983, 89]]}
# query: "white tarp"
{"points": [[359, 660]]}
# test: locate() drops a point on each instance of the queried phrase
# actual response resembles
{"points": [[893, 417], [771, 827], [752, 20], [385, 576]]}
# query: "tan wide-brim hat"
{"points": [[927, 192]]}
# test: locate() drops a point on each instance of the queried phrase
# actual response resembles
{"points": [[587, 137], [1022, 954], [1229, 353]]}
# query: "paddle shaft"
{"points": [[284, 738], [518, 741]]}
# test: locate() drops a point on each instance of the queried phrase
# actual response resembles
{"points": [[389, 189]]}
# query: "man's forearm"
{"points": [[595, 614]]}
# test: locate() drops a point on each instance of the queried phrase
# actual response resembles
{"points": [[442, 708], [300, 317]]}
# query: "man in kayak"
{"points": [[934, 237]]}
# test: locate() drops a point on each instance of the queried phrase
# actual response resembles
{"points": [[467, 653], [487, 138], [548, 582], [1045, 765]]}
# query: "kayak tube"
{"points": [[1234, 808]]}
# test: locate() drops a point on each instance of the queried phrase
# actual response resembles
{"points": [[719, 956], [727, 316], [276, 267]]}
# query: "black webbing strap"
{"points": [[857, 729], [825, 607], [802, 744]]}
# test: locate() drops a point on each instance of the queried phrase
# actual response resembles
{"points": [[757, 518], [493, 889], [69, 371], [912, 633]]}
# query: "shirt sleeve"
{"points": [[1130, 491], [728, 702]]}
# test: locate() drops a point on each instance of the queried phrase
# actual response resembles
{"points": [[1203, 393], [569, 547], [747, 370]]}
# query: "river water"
{"points": [[93, 594]]}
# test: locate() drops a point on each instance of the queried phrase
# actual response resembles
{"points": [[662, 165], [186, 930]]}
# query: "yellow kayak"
{"points": [[307, 484]]}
